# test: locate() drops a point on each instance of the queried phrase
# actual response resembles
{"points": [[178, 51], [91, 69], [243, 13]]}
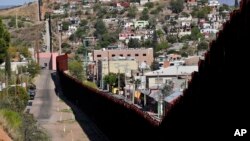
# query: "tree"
{"points": [[18, 98], [7, 65], [132, 12], [203, 45], [65, 25], [133, 43], [155, 65], [110, 79], [195, 33], [160, 34], [83, 22], [172, 39], [162, 45], [167, 88], [202, 12], [177, 5], [4, 41], [152, 22], [203, 2], [149, 5], [224, 7], [65, 45], [12, 22], [31, 130], [76, 70], [100, 28], [33, 68], [24, 51], [144, 15]]}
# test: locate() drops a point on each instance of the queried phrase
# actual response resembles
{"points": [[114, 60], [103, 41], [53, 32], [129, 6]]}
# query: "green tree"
{"points": [[177, 5], [195, 33], [8, 65], [203, 45], [24, 51], [18, 98], [224, 7], [147, 43], [201, 12], [133, 43], [172, 39], [100, 28], [167, 88], [149, 5], [203, 2], [132, 12], [110, 79], [12, 22], [162, 45], [160, 34], [83, 22], [33, 68], [65, 25], [155, 65], [31, 130], [76, 70], [65, 45], [4, 41], [144, 15]]}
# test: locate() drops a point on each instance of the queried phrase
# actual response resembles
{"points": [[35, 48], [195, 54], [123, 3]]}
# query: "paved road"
{"points": [[57, 117]]}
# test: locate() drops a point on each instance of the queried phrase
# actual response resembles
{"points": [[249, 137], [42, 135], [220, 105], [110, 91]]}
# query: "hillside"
{"points": [[4, 136], [29, 11]]}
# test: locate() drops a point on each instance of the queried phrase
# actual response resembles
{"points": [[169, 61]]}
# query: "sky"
{"points": [[20, 2], [228, 2], [14, 2]]}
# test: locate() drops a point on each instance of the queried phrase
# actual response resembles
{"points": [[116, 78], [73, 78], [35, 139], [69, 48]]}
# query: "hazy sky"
{"points": [[229, 2], [20, 2], [14, 2]]}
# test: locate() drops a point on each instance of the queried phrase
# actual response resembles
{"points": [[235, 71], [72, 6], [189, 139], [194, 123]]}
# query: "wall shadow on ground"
{"points": [[115, 118], [80, 117]]}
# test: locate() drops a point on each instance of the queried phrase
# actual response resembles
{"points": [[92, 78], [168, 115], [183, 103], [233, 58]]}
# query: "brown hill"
{"points": [[29, 11]]}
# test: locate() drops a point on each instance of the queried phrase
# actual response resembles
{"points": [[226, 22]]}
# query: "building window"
{"points": [[113, 55], [99, 55], [128, 55], [121, 55], [136, 54], [144, 54]]}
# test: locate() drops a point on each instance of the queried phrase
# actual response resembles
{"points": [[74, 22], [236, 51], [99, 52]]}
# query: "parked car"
{"points": [[32, 91]]}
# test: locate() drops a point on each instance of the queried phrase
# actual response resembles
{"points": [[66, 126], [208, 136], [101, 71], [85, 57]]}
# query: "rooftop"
{"points": [[173, 70]]}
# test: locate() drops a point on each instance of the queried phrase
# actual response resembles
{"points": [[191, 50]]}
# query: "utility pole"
{"points": [[159, 97], [85, 57], [125, 70], [60, 37], [16, 21], [103, 68], [118, 80]]}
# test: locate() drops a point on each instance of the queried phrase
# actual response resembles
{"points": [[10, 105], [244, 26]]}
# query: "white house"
{"points": [[159, 77], [59, 11], [14, 65], [141, 24], [213, 3], [209, 30]]}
